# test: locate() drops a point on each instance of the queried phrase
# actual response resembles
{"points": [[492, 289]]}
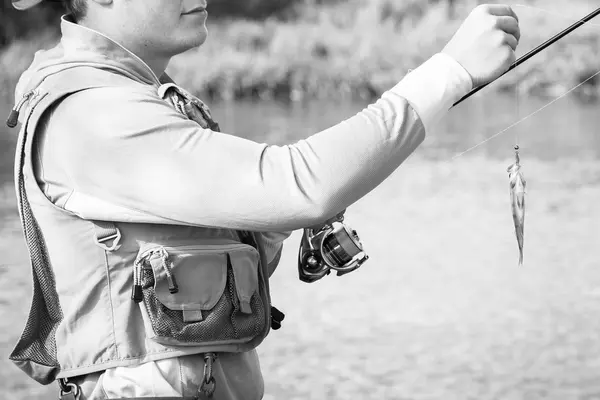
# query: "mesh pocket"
{"points": [[223, 323]]}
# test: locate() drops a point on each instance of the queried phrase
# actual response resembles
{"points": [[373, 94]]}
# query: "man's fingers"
{"points": [[501, 10], [509, 25], [511, 41]]}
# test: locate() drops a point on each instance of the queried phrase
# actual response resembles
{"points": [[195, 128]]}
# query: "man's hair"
{"points": [[77, 8]]}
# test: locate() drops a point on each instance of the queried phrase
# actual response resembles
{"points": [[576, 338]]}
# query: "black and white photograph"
{"points": [[300, 200]]}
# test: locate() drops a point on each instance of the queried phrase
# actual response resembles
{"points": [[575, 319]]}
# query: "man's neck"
{"points": [[157, 63]]}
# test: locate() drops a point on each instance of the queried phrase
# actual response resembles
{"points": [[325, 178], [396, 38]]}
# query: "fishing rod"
{"points": [[535, 51]]}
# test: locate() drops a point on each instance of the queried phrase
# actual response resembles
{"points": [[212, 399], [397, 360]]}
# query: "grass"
{"points": [[356, 50], [359, 49]]}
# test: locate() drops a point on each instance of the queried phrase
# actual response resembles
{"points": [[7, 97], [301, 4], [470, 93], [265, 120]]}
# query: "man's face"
{"points": [[167, 27]]}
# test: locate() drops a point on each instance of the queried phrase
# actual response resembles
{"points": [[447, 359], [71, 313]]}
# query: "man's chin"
{"points": [[191, 44], [203, 38], [199, 39]]}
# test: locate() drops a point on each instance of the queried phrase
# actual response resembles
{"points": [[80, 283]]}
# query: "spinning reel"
{"points": [[332, 246]]}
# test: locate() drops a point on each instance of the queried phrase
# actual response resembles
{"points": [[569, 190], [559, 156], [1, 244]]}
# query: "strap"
{"points": [[68, 390], [275, 262], [108, 236], [72, 391], [36, 352]]}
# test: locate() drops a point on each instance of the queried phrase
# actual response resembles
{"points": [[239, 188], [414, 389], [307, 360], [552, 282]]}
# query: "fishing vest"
{"points": [[109, 294]]}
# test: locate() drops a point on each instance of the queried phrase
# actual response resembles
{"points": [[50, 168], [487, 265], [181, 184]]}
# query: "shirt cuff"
{"points": [[434, 87]]}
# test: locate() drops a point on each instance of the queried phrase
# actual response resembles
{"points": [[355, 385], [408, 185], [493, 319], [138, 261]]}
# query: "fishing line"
{"points": [[525, 118], [518, 92]]}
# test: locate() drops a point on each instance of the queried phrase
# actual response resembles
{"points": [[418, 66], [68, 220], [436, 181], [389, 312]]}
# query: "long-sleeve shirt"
{"points": [[123, 154]]}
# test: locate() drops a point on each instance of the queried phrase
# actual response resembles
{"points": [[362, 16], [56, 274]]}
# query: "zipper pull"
{"points": [[212, 124], [136, 291], [173, 288], [13, 117]]}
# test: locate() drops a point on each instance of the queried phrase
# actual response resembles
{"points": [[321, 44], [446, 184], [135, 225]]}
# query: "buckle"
{"points": [[116, 237]]}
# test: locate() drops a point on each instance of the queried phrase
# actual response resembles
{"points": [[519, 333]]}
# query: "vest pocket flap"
{"points": [[200, 278], [244, 263]]}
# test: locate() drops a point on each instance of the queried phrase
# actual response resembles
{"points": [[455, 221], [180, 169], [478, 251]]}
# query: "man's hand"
{"points": [[485, 43]]}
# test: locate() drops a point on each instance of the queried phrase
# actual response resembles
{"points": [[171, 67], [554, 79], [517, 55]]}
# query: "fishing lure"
{"points": [[517, 186]]}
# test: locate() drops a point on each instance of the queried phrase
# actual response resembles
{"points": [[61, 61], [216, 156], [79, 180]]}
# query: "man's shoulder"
{"points": [[84, 93], [103, 104], [81, 81]]}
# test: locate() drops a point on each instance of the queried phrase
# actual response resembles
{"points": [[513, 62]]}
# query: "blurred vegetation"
{"points": [[16, 24], [338, 49]]}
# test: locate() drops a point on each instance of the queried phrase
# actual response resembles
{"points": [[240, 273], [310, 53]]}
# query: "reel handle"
{"points": [[311, 266]]}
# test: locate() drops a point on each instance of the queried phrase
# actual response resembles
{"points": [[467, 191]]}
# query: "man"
{"points": [[152, 235]]}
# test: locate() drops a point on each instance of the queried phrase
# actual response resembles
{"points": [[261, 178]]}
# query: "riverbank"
{"points": [[357, 50]]}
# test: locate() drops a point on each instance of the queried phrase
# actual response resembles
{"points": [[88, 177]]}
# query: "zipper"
{"points": [[141, 263], [173, 288], [216, 247], [234, 299], [13, 117], [256, 244], [212, 124], [207, 247], [136, 292]]}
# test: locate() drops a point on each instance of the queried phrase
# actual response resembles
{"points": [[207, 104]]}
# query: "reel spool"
{"points": [[334, 246]]}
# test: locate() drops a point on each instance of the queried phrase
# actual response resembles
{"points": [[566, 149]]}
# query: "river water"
{"points": [[440, 311], [564, 130]]}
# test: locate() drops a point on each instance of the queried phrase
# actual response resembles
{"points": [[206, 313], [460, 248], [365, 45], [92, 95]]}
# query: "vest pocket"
{"points": [[198, 295]]}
